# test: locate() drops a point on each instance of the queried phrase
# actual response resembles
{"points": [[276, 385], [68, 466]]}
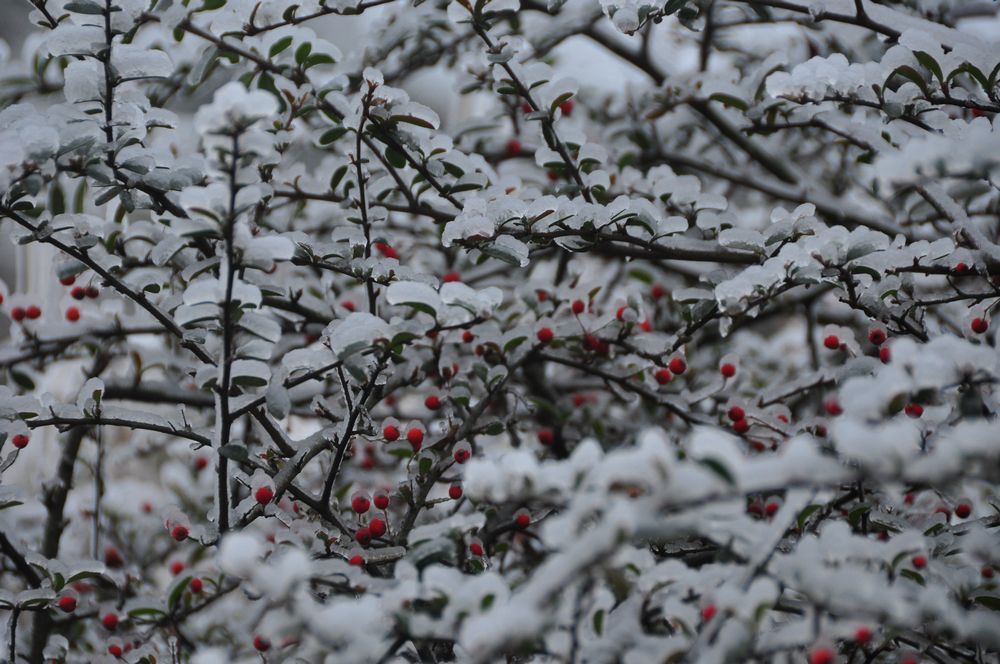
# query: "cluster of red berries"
{"points": [[414, 436], [31, 312]]}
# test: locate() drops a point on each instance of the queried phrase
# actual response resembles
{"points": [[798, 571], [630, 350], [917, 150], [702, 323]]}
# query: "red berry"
{"points": [[591, 342], [960, 268], [919, 561], [20, 441], [567, 107], [578, 307], [736, 413], [462, 454], [415, 438], [677, 366], [771, 508], [832, 407], [476, 549], [33, 312], [741, 426], [914, 410], [72, 314], [377, 526], [980, 325], [884, 354], [363, 536], [513, 147], [987, 572], [347, 304], [386, 250], [390, 433], [179, 533], [468, 336], [545, 335], [176, 567], [432, 402], [201, 463], [115, 650], [263, 495], [708, 612], [877, 336], [357, 560], [522, 520], [451, 277], [821, 656], [68, 281], [381, 500], [92, 292], [113, 557], [67, 603], [727, 370], [541, 295], [78, 293], [662, 376], [620, 314], [261, 644], [658, 291], [863, 635], [645, 326], [963, 510], [17, 314], [525, 107], [546, 437], [832, 342], [360, 503], [196, 585], [455, 491]]}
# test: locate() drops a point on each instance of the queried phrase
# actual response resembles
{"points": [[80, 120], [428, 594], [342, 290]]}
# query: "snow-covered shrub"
{"points": [[696, 367]]}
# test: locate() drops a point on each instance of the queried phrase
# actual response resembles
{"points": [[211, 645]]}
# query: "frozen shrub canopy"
{"points": [[696, 368]]}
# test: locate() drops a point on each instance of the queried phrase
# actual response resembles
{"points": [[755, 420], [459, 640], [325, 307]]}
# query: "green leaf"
{"points": [[494, 428], [425, 465], [673, 6], [513, 343], [235, 452], [319, 59], [421, 306], [330, 135], [719, 469], [84, 7], [22, 379], [57, 200], [176, 593], [337, 176], [641, 275], [913, 576], [599, 622], [410, 119], [912, 74], [145, 611], [302, 52], [210, 5], [926, 60], [729, 100], [395, 158], [989, 601], [804, 515], [279, 46]]}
